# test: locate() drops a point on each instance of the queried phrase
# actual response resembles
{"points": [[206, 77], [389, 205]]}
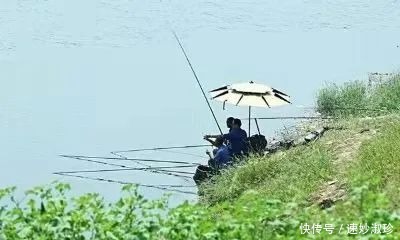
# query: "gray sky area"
{"points": [[89, 77]]}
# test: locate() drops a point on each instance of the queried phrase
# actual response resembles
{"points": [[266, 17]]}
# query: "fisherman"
{"points": [[229, 123], [222, 156], [237, 139]]}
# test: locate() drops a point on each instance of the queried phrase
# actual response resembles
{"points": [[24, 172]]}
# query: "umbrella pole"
{"points": [[249, 119], [258, 128]]}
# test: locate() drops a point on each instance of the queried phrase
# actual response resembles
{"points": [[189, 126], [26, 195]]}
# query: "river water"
{"points": [[89, 77]]}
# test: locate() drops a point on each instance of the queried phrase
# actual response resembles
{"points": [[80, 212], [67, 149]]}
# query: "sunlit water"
{"points": [[89, 77]]}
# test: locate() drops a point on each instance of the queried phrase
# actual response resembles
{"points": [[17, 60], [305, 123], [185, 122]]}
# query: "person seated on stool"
{"points": [[222, 155]]}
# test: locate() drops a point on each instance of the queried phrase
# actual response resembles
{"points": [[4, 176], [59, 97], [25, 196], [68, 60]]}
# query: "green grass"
{"points": [[379, 164], [288, 176], [356, 99]]}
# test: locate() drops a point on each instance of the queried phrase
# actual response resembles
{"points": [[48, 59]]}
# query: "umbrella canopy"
{"points": [[250, 94]]}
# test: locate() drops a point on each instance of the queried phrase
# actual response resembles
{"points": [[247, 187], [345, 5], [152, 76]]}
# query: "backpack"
{"points": [[257, 143]]}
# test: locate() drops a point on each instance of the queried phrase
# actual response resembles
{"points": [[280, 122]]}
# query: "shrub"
{"points": [[356, 99], [387, 95], [348, 100], [47, 213]]}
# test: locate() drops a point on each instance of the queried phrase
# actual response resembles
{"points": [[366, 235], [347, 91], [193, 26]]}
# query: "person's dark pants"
{"points": [[213, 164], [237, 157]]}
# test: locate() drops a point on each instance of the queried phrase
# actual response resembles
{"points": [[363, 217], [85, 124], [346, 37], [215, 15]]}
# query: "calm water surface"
{"points": [[89, 77]]}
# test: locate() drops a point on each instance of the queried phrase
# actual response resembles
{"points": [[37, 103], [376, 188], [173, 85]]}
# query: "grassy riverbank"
{"points": [[337, 186]]}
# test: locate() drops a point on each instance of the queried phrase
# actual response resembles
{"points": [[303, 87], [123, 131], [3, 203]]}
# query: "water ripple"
{"points": [[121, 23]]}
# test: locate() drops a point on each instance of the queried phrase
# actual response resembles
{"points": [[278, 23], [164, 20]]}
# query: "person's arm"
{"points": [[209, 154], [209, 140], [212, 136], [227, 136]]}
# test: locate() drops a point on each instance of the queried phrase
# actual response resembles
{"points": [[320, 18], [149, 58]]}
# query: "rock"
{"points": [[364, 130], [332, 182], [326, 203]]}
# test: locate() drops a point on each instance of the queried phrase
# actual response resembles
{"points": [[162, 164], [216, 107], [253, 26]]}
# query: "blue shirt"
{"points": [[222, 156], [237, 138]]}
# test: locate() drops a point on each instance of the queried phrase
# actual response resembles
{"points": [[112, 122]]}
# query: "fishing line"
{"points": [[160, 187]]}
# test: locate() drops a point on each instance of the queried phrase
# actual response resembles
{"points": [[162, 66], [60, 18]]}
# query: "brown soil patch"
{"points": [[345, 153]]}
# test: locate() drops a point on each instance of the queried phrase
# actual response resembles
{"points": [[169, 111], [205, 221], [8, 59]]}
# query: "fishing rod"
{"points": [[165, 172], [125, 169], [150, 168], [347, 108], [162, 148], [137, 162], [118, 153], [316, 117], [147, 168], [357, 109], [198, 81], [289, 117], [184, 153], [160, 187], [129, 159], [194, 73]]}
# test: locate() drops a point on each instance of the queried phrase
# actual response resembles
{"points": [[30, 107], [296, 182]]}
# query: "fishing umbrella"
{"points": [[250, 94]]}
